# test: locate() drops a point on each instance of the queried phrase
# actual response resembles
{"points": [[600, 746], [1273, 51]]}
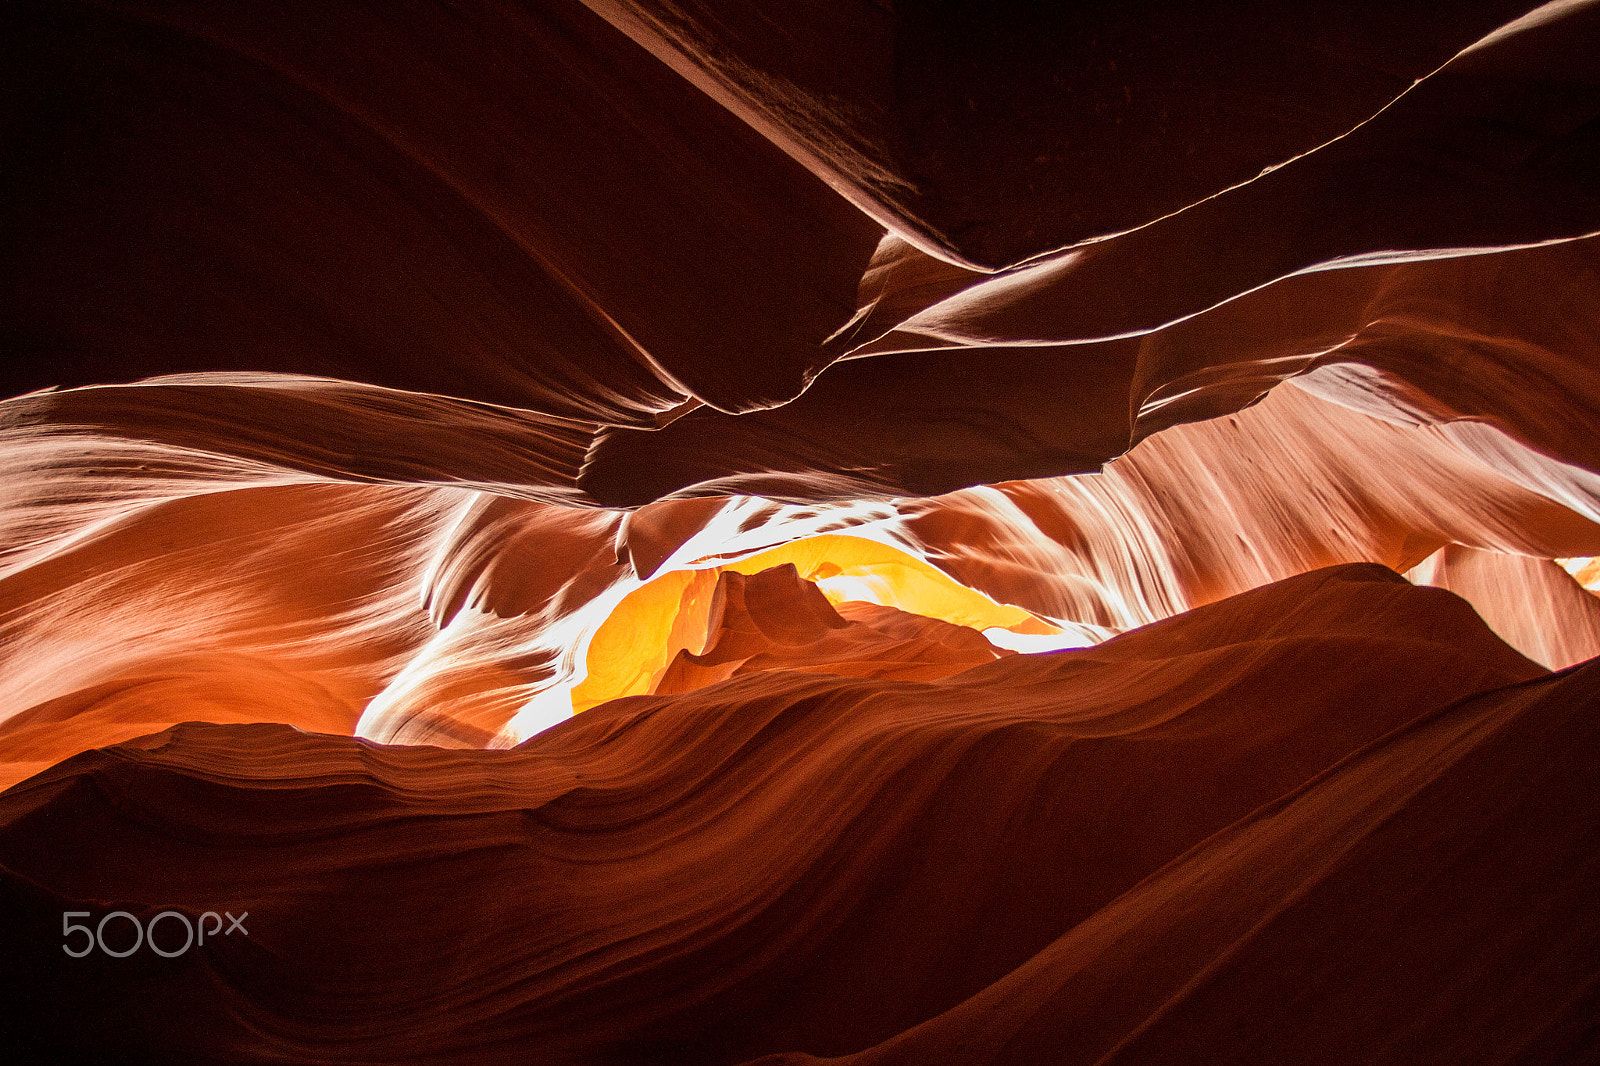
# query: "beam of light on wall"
{"points": [[674, 612]]}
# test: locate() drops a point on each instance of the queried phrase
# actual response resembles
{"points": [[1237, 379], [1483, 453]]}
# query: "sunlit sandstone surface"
{"points": [[683, 531]]}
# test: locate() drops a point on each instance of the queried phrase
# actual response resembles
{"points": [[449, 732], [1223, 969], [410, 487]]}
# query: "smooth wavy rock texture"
{"points": [[874, 531], [979, 862]]}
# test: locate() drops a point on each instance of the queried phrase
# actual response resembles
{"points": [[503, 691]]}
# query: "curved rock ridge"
{"points": [[474, 616], [340, 276], [1208, 510], [1529, 602], [1508, 340], [989, 133], [789, 863], [1193, 961], [482, 205], [775, 620], [289, 603]]}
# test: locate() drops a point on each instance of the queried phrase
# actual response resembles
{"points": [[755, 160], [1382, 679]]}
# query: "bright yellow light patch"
{"points": [[644, 633], [853, 568], [672, 612]]}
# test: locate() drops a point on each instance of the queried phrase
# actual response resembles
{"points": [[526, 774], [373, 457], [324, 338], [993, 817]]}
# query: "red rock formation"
{"points": [[798, 863], [1531, 603], [382, 380], [966, 127], [776, 621], [366, 195], [293, 604]]}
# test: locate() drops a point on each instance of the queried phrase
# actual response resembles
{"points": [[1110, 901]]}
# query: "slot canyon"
{"points": [[780, 532]]}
